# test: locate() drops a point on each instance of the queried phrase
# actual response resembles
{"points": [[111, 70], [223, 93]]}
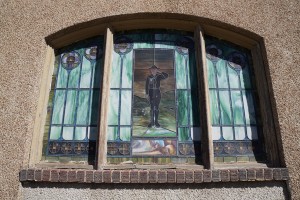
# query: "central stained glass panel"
{"points": [[154, 109]]}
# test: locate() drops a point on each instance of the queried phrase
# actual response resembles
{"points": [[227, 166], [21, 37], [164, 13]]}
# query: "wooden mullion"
{"points": [[206, 140], [102, 144]]}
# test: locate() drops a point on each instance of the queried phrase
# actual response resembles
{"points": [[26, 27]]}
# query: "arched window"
{"points": [[167, 96]]}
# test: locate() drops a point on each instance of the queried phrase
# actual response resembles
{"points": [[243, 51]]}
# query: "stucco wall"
{"points": [[230, 191], [25, 24]]}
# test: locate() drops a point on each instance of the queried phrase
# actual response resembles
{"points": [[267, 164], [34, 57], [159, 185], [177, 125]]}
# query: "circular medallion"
{"points": [[112, 148], [124, 149], [236, 61], [93, 53], [185, 149], [123, 45], [54, 147], [79, 148], [70, 60], [66, 148], [213, 53], [184, 45], [242, 148], [229, 148], [218, 148]]}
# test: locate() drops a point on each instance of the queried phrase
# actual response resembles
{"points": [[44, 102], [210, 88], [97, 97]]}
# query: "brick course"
{"points": [[154, 176]]}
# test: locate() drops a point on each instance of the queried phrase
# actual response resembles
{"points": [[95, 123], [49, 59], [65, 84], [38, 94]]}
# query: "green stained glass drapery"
{"points": [[72, 119], [235, 128], [175, 130]]}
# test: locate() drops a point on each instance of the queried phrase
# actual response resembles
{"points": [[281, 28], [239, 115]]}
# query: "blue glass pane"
{"points": [[222, 74], [240, 133], [237, 107], [112, 133], [127, 71], [214, 107], [80, 133], [225, 108], [183, 134], [228, 133], [55, 132], [180, 71], [125, 133], [58, 107], [70, 107], [83, 107], [216, 133], [62, 78], [74, 78], [115, 71], [86, 73], [233, 77], [211, 76], [182, 107], [125, 118], [113, 111], [68, 133]]}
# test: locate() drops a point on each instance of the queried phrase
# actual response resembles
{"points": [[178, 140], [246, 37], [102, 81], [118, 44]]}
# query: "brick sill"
{"points": [[153, 176]]}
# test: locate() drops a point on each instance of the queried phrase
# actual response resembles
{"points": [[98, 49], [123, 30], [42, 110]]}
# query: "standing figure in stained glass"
{"points": [[153, 93]]}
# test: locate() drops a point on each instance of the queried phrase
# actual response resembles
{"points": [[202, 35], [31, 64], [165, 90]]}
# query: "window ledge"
{"points": [[154, 176]]}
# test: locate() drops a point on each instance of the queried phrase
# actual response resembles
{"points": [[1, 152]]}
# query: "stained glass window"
{"points": [[153, 111], [236, 127], [71, 128]]}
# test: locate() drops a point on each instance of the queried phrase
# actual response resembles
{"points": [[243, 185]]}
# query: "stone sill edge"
{"points": [[153, 176]]}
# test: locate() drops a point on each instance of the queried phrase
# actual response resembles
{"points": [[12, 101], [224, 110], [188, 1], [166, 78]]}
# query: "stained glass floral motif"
{"points": [[232, 103], [170, 128], [72, 119]]}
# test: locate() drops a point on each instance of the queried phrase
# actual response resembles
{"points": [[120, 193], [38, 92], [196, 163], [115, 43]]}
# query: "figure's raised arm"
{"points": [[163, 75]]}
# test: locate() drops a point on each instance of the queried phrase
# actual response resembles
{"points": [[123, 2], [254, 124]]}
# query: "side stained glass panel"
{"points": [[153, 113], [236, 132], [72, 118]]}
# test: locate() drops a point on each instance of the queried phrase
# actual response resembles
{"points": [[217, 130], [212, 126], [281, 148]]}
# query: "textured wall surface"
{"points": [[25, 24], [241, 191]]}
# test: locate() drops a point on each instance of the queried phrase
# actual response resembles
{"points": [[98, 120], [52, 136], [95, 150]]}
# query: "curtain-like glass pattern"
{"points": [[236, 128], [147, 128], [73, 108]]}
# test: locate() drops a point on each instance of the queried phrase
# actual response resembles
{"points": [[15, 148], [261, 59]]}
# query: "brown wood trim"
{"points": [[207, 143], [269, 132], [41, 114], [102, 144], [99, 29], [228, 35]]}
